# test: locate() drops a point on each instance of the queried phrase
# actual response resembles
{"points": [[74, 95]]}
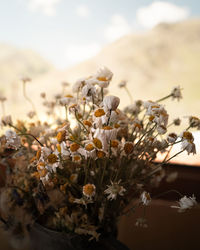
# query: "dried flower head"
{"points": [[89, 190]]}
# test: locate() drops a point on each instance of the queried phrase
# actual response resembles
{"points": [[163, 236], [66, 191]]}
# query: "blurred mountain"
{"points": [[16, 63], [152, 62]]}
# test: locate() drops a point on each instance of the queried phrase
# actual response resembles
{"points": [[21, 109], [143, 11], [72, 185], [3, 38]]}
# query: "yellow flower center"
{"points": [[52, 158], [173, 135], [97, 143], [117, 125], [114, 143], [99, 112], [73, 178], [128, 148], [87, 123], [43, 172], [74, 147], [35, 175], [89, 189], [63, 187], [188, 136], [58, 148], [151, 139], [151, 117], [155, 107], [69, 96], [103, 79], [61, 136], [100, 154], [107, 128], [89, 147], [40, 166], [38, 154], [137, 125], [76, 158]]}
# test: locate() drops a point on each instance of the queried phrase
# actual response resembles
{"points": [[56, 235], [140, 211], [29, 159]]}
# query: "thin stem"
{"points": [[104, 168], [33, 137], [147, 132], [188, 127], [164, 162], [66, 112], [166, 192], [81, 122], [26, 134], [164, 98], [110, 111], [84, 109], [102, 94], [129, 94], [173, 156], [27, 98]]}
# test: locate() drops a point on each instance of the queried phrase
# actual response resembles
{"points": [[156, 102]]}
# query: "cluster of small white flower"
{"points": [[104, 157]]}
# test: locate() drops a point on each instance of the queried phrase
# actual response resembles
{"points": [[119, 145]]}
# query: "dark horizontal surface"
{"points": [[168, 229], [187, 182]]}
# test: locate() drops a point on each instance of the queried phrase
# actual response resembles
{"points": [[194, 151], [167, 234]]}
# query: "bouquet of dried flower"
{"points": [[78, 174]]}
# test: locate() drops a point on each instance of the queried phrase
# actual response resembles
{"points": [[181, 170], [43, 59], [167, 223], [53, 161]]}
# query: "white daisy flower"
{"points": [[114, 190], [88, 91], [186, 203], [111, 102], [89, 190]]}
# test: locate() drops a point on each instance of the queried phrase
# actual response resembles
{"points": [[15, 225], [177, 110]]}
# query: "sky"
{"points": [[66, 32]]}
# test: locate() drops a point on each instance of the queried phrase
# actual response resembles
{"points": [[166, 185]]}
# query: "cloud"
{"points": [[75, 53], [82, 11], [47, 7], [157, 12], [117, 28]]}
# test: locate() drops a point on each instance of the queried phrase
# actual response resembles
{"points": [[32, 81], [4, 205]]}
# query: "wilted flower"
{"points": [[176, 93], [188, 146], [43, 95], [88, 91], [12, 139], [114, 189], [6, 120], [161, 130], [31, 114], [171, 138], [111, 102], [172, 177], [145, 198], [66, 100], [141, 222], [104, 74], [78, 85], [177, 122], [186, 203], [194, 121], [122, 84]]}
